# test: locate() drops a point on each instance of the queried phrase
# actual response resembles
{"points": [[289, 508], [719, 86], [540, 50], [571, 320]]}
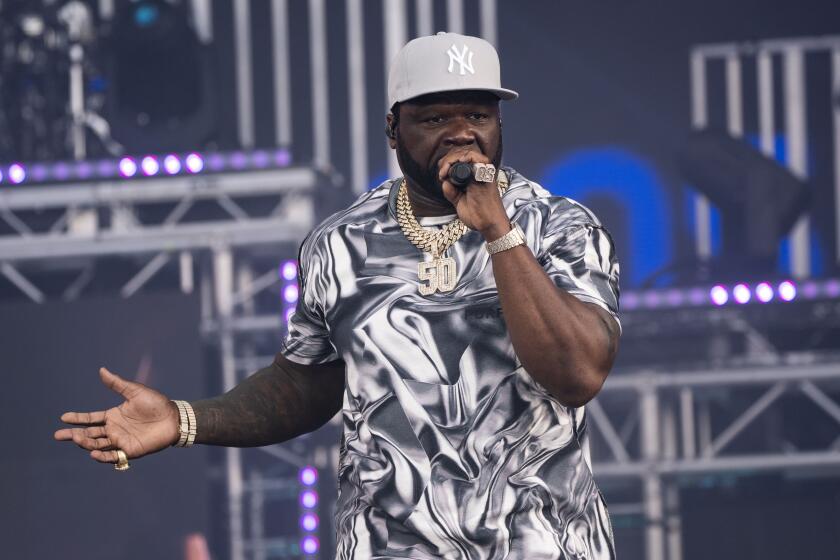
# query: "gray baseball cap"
{"points": [[445, 62]]}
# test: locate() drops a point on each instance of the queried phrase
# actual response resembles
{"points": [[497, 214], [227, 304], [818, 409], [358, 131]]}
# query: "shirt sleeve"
{"points": [[308, 338], [578, 254]]}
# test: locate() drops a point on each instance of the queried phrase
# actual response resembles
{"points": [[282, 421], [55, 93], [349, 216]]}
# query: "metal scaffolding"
{"points": [[745, 60], [108, 219]]}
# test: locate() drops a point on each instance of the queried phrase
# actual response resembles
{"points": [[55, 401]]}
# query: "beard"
{"points": [[426, 177]]}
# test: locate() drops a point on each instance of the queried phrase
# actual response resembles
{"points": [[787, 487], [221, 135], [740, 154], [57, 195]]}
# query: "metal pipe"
{"points": [[395, 37], [282, 83], [357, 99], [724, 377], [835, 71], [602, 422], [699, 120], [651, 482], [734, 96], [797, 157], [821, 399], [22, 283], [673, 519], [257, 515], [689, 442], [766, 114], [455, 16], [244, 77], [223, 283], [202, 15], [489, 25], [829, 460], [424, 11], [144, 275], [320, 84], [745, 419]]}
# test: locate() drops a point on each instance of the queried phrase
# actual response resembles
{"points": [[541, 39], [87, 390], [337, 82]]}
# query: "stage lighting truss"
{"points": [[141, 166], [732, 294], [662, 422]]}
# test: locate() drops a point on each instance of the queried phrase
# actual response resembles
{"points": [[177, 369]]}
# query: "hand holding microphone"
{"points": [[462, 174]]}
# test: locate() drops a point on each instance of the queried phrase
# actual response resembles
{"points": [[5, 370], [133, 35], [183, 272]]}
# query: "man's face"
{"points": [[431, 126]]}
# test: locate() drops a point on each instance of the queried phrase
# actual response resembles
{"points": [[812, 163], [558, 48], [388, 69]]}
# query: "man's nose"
{"points": [[460, 133]]}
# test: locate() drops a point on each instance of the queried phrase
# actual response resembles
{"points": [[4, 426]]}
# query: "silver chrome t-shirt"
{"points": [[450, 448]]}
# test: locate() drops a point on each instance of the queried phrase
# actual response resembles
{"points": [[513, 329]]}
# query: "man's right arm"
{"points": [[275, 404]]}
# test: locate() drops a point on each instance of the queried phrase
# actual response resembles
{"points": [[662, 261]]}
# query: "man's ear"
{"points": [[391, 130]]}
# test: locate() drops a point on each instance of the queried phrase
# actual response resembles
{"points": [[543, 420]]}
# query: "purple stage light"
{"points": [[630, 301], [288, 270], [288, 314], [309, 545], [290, 293], [84, 170], [696, 296], [741, 293], [282, 158], [128, 168], [764, 292], [651, 299], [17, 174], [308, 476], [810, 290], [1, 175], [105, 168], [194, 163], [832, 288], [787, 290], [61, 171], [238, 160], [309, 522], [674, 298], [260, 159], [309, 499], [38, 172], [150, 166], [171, 164], [215, 162], [719, 295]]}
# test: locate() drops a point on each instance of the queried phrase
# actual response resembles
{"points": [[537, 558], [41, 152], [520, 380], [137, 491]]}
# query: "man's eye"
{"points": [[437, 119], [478, 116]]}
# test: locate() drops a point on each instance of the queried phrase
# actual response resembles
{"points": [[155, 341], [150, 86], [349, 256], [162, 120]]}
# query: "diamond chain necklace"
{"points": [[440, 273]]}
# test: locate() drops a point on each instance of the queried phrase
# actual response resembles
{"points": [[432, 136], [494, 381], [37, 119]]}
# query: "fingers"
{"points": [[116, 383], [104, 456], [452, 193], [84, 418], [466, 155], [86, 438]]}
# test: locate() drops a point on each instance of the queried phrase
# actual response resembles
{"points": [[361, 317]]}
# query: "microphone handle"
{"points": [[461, 174]]}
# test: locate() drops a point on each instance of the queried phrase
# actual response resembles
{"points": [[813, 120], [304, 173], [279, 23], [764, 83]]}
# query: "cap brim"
{"points": [[501, 93]]}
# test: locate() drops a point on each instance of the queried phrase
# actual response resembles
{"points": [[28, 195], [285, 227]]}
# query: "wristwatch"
{"points": [[508, 241]]}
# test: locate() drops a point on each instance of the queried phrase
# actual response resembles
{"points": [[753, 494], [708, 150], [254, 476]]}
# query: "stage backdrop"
{"points": [[57, 502]]}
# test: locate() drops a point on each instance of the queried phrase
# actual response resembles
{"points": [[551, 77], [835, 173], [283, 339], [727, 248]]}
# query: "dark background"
{"points": [[56, 501]]}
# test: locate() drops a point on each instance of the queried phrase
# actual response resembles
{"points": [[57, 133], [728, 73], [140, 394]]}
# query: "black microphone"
{"points": [[460, 174]]}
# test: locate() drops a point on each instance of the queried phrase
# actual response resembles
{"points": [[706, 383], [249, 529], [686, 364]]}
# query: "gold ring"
{"points": [[122, 461]]}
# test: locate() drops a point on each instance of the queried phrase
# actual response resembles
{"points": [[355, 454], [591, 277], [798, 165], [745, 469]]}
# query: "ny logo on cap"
{"points": [[461, 58]]}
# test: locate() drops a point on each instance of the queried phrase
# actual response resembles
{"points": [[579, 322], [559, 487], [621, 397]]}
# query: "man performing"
{"points": [[459, 330]]}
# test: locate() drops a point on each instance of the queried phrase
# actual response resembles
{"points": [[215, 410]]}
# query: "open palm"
{"points": [[146, 422]]}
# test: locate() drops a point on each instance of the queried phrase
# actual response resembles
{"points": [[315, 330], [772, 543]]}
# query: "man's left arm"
{"points": [[568, 346]]}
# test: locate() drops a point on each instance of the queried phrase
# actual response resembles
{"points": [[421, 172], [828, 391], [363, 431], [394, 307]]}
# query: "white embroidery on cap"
{"points": [[461, 58]]}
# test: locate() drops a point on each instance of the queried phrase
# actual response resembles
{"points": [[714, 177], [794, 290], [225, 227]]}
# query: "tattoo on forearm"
{"points": [[271, 406]]}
